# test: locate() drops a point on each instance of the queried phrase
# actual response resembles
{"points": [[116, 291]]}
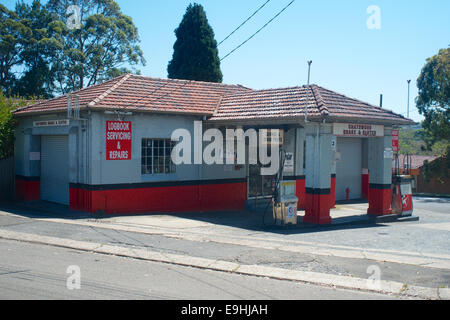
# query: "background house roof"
{"points": [[417, 161], [220, 102]]}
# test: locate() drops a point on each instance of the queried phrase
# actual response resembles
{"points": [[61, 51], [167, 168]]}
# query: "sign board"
{"points": [[388, 153], [289, 163], [291, 212], [51, 123], [395, 140], [358, 130], [406, 192], [272, 137], [118, 140], [287, 188], [333, 143]]}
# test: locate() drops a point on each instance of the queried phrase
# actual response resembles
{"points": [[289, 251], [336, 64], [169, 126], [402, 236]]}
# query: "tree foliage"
{"points": [[413, 141], [39, 50], [12, 45], [105, 41], [433, 101], [42, 54], [195, 55], [7, 124]]}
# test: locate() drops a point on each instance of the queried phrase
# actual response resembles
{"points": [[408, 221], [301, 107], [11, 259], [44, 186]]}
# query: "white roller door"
{"points": [[55, 169], [348, 168]]}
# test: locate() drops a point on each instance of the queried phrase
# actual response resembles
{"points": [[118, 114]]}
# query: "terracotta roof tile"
{"points": [[417, 161], [219, 101], [291, 102], [135, 92]]}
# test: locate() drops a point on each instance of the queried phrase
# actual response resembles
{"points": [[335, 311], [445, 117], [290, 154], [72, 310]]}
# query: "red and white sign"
{"points": [[407, 199], [395, 140], [358, 130], [407, 203], [118, 140]]}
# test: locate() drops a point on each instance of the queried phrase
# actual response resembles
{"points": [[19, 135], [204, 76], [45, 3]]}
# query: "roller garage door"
{"points": [[55, 169], [348, 168]]}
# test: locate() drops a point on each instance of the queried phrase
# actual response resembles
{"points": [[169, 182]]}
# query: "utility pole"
{"points": [[407, 112], [307, 91]]}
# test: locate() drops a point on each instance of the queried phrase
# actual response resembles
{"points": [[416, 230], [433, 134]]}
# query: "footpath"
{"points": [[234, 242]]}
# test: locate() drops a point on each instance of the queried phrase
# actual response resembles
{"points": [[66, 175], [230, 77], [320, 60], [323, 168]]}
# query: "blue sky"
{"points": [[347, 56]]}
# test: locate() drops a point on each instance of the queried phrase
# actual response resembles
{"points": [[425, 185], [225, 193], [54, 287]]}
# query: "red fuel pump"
{"points": [[402, 200], [347, 192]]}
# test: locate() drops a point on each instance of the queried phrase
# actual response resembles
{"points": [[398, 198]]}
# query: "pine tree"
{"points": [[195, 55]]}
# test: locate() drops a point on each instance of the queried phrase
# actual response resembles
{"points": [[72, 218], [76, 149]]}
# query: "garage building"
{"points": [[341, 147]]}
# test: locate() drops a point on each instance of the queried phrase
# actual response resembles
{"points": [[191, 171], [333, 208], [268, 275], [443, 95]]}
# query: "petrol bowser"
{"points": [[402, 200], [285, 204]]}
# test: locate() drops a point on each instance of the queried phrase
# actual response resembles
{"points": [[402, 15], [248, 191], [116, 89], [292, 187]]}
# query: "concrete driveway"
{"points": [[410, 253]]}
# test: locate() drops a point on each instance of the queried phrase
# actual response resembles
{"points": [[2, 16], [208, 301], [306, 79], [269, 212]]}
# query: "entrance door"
{"points": [[55, 169], [260, 186], [348, 168]]}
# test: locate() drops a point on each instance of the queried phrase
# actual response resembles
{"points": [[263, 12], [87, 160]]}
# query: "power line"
{"points": [[168, 93], [173, 90], [161, 87], [229, 53], [151, 93], [243, 23], [187, 82]]}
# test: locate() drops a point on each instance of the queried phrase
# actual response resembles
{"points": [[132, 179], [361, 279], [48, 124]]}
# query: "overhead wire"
{"points": [[231, 52], [246, 20], [259, 30]]}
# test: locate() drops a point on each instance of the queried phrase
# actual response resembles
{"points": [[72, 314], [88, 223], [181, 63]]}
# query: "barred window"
{"points": [[156, 156]]}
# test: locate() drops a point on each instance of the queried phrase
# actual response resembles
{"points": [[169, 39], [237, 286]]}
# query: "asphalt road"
{"points": [[31, 271], [230, 237]]}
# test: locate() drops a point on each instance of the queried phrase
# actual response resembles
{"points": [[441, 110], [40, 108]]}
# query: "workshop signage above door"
{"points": [[118, 140], [358, 130], [51, 123]]}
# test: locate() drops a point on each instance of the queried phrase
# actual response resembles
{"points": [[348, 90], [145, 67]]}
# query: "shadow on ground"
{"points": [[248, 220], [433, 200]]}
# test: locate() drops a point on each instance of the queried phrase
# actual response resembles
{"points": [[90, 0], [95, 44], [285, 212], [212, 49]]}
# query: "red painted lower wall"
{"points": [[365, 186], [28, 190], [300, 193], [333, 192], [380, 201], [317, 208], [215, 197]]}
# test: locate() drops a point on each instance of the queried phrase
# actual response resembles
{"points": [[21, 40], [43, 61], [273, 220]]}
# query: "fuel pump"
{"points": [[285, 199], [402, 200]]}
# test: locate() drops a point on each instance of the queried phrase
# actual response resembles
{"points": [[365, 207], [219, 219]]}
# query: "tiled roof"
{"points": [[417, 161], [219, 101], [291, 102], [133, 92], [341, 106], [272, 103]]}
